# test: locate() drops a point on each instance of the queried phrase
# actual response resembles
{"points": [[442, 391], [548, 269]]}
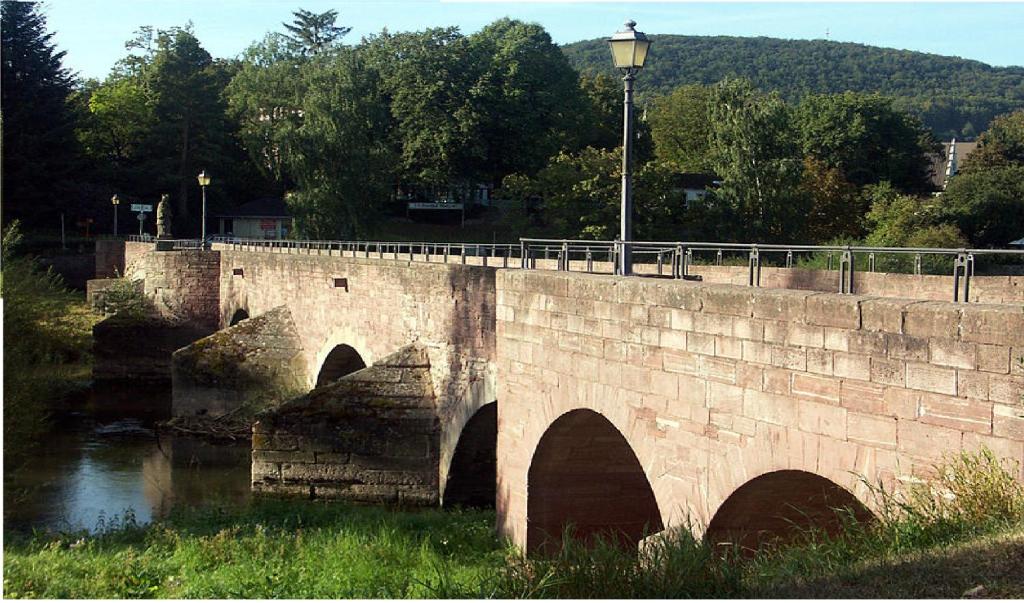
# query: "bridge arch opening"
{"points": [[342, 360], [473, 473], [239, 315], [779, 506], [585, 477]]}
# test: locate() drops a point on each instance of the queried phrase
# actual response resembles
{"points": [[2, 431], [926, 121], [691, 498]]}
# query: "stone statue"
{"points": [[163, 217]]}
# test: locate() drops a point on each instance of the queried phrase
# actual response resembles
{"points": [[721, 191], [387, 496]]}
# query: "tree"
{"points": [[987, 205], [531, 94], [866, 138], [40, 153], [1001, 145], [313, 33], [601, 123], [264, 98], [836, 207], [186, 89], [119, 116], [899, 220], [158, 119], [578, 193], [753, 150], [339, 157], [430, 81], [681, 128]]}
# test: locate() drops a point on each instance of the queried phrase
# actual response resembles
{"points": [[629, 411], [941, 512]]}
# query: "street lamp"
{"points": [[204, 181], [629, 52], [116, 201]]}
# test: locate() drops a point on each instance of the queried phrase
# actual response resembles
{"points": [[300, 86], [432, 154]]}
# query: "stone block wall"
{"points": [[184, 285], [113, 256], [372, 436], [714, 385], [257, 361], [378, 307], [110, 258]]}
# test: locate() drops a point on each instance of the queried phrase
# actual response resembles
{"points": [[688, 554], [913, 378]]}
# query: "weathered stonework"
{"points": [[372, 436], [257, 361], [383, 306], [683, 395], [183, 285], [715, 385], [139, 349]]}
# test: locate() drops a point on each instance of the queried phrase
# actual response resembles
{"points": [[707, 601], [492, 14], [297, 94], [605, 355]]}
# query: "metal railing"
{"points": [[674, 258], [503, 255], [668, 259]]}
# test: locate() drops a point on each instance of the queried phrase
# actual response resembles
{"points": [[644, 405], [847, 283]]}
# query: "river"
{"points": [[104, 461]]}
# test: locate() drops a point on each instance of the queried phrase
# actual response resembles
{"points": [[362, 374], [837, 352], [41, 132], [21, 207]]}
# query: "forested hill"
{"points": [[954, 96]]}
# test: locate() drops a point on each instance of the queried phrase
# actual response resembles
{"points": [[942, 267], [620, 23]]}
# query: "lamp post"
{"points": [[204, 181], [629, 51], [115, 200]]}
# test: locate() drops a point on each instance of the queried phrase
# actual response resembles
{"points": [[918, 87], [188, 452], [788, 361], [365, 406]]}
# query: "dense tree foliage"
{"points": [[338, 156], [953, 97], [1001, 145], [867, 139], [987, 205], [681, 128], [753, 148], [40, 155], [804, 149], [158, 119]]}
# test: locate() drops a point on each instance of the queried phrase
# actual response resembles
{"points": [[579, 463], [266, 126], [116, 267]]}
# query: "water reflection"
{"points": [[107, 460]]}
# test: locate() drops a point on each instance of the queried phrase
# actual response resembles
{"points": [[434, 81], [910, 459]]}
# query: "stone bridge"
{"points": [[616, 405]]}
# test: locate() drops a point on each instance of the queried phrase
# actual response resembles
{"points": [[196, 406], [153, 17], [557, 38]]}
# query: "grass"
{"points": [[962, 530], [272, 549]]}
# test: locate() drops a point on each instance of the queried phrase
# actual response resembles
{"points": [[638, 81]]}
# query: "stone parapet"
{"points": [[183, 285]]}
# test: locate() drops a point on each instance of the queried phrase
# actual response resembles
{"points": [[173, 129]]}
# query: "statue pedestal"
{"points": [[164, 244]]}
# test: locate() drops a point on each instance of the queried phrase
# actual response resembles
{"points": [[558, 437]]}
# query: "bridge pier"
{"points": [[256, 362], [371, 436]]}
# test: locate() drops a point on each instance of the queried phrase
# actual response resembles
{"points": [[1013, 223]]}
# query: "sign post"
{"points": [[142, 208]]}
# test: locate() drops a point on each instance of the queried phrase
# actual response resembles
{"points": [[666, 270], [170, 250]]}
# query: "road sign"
{"points": [[140, 207], [141, 217]]}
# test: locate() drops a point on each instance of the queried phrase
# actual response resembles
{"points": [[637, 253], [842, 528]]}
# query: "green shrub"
{"points": [[124, 297]]}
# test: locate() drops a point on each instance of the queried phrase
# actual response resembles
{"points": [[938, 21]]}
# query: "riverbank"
{"points": [[47, 348], [970, 540]]}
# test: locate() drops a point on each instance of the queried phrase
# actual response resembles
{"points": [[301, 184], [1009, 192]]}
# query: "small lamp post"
{"points": [[115, 200], [629, 52], [204, 181]]}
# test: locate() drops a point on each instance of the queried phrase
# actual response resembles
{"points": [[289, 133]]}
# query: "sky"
{"points": [[93, 32]]}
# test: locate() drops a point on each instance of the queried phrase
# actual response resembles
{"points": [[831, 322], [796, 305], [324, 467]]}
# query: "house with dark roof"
{"points": [[265, 218], [691, 187], [945, 165]]}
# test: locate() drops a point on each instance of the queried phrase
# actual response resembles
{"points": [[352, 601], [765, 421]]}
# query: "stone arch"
{"points": [[341, 360], [239, 315], [585, 475], [472, 474], [778, 505]]}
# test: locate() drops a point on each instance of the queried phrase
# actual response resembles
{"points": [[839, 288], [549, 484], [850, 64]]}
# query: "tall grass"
{"points": [[47, 337], [971, 494], [302, 549]]}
